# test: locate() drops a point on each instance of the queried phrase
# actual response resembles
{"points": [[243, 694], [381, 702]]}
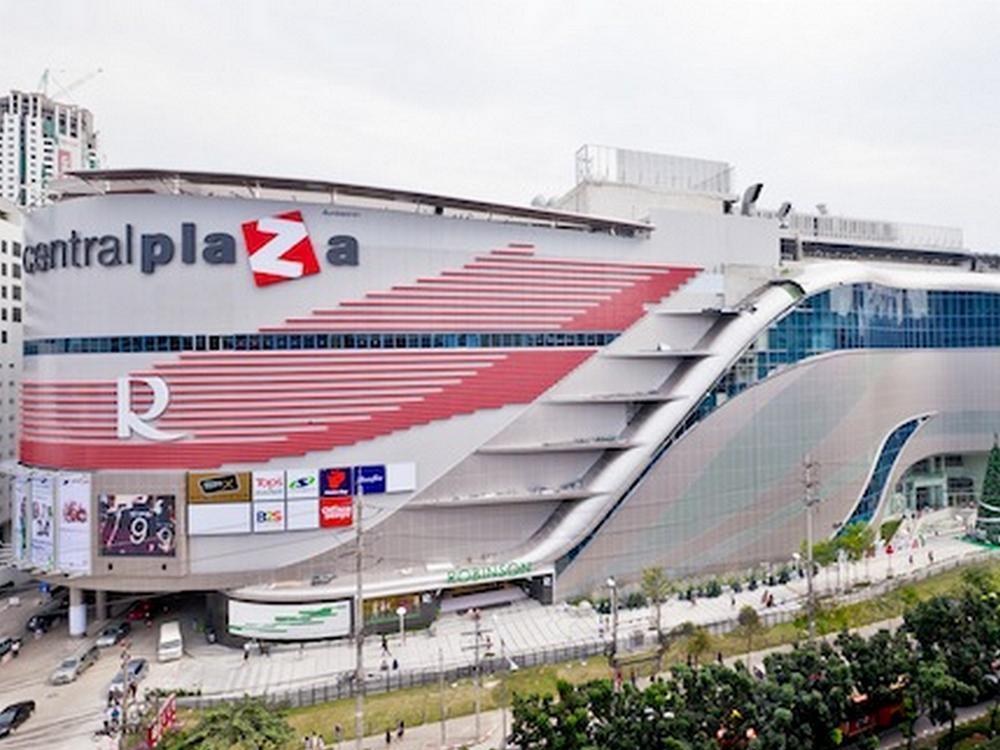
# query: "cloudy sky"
{"points": [[886, 109]]}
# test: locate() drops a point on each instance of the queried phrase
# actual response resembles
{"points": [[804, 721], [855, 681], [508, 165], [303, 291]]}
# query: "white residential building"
{"points": [[11, 310], [41, 140]]}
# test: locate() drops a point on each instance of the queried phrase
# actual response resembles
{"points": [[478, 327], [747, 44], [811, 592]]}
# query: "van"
{"points": [[171, 645], [71, 668]]}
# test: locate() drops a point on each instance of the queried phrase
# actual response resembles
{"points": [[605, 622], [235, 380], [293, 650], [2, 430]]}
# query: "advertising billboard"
{"points": [[43, 527], [269, 485], [216, 519], [137, 525], [219, 487], [290, 622], [20, 516], [302, 483], [369, 479], [302, 514], [73, 550], [335, 482], [336, 511], [269, 516]]}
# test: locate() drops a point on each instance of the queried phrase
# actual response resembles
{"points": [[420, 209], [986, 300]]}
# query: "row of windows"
{"points": [[282, 341], [868, 503], [14, 247]]}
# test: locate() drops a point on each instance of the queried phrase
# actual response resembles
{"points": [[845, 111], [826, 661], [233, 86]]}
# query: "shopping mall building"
{"points": [[220, 370]]}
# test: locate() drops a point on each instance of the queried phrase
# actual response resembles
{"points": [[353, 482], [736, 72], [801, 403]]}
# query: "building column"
{"points": [[100, 605], [77, 613]]}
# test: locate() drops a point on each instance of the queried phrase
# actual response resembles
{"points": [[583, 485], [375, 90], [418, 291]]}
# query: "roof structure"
{"points": [[224, 184]]}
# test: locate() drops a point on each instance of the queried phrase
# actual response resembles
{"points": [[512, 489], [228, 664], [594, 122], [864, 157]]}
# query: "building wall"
{"points": [[728, 494], [12, 309]]}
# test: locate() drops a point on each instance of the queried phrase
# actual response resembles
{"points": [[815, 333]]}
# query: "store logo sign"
{"points": [[130, 422], [336, 512], [279, 248], [335, 482], [269, 485], [369, 480]]}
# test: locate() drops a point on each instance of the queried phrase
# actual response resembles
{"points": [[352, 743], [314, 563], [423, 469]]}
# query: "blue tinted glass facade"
{"points": [[868, 503], [295, 341]]}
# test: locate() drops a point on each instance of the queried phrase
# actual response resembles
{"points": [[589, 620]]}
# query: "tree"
{"points": [[749, 626], [246, 724], [988, 516], [657, 587], [697, 643], [942, 693]]}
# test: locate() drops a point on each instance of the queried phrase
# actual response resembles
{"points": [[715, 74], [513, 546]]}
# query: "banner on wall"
{"points": [[268, 485], [369, 480], [73, 550], [217, 519], [43, 527], [269, 515], [290, 622], [219, 487], [302, 483], [20, 515], [335, 482], [335, 512], [137, 525]]}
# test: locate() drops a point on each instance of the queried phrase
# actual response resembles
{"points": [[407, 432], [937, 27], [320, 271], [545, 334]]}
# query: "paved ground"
{"points": [[67, 716]]}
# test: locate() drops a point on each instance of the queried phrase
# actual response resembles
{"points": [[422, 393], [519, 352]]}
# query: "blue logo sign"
{"points": [[369, 480]]}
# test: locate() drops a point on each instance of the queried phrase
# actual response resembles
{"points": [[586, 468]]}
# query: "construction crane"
{"points": [[62, 91]]}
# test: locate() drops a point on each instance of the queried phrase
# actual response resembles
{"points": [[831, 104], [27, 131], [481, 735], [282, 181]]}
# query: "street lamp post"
{"points": [[613, 585], [401, 612], [359, 627], [811, 500], [505, 664]]}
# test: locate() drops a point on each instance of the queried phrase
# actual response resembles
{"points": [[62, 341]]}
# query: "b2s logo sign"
{"points": [[280, 249]]}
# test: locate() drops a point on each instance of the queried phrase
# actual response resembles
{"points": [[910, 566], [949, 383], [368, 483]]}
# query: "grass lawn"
{"points": [[421, 705]]}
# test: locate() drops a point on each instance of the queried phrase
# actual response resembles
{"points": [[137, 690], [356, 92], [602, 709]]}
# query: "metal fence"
{"points": [[342, 685]]}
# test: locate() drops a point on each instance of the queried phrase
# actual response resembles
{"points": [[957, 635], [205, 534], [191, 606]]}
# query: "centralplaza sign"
{"points": [[279, 249]]}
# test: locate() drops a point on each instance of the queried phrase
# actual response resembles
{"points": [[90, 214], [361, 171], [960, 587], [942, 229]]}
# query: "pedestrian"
{"points": [[732, 600], [306, 743], [395, 664], [400, 728], [338, 733], [133, 688], [632, 677], [15, 647], [388, 737], [385, 645], [302, 649], [930, 556], [718, 657], [246, 650], [317, 741]]}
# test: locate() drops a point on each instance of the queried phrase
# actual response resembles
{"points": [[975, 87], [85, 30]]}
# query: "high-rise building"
{"points": [[41, 140], [11, 308]]}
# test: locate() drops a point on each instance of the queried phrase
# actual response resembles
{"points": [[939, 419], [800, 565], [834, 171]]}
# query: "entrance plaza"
{"points": [[68, 716]]}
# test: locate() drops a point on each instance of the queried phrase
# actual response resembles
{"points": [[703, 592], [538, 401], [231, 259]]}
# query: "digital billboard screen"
{"points": [[138, 525]]}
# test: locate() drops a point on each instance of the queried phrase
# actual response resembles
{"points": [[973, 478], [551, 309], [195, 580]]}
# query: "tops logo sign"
{"points": [[279, 249]]}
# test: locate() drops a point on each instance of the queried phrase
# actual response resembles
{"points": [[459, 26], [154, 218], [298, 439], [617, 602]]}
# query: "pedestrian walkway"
{"points": [[525, 628]]}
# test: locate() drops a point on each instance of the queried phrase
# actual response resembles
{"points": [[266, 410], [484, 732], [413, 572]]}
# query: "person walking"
{"points": [[388, 737], [400, 729], [246, 650]]}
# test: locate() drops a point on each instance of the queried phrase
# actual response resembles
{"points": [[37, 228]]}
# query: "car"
{"points": [[14, 716], [9, 645], [141, 610], [136, 669], [75, 665], [42, 622], [114, 634]]}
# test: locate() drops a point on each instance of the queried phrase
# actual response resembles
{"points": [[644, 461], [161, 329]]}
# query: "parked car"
{"points": [[137, 669], [9, 645], [113, 634], [75, 665], [141, 610], [42, 622], [14, 716]]}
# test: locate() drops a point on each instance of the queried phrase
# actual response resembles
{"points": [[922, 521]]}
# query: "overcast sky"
{"points": [[878, 109]]}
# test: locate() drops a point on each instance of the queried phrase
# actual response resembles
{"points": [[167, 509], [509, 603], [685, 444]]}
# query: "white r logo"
{"points": [[129, 421]]}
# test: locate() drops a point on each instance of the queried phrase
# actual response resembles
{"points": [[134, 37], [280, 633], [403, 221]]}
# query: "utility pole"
{"points": [[477, 634], [809, 484], [613, 586], [359, 626], [441, 695]]}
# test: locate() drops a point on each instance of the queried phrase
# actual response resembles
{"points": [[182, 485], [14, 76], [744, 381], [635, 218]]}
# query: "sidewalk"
{"points": [[526, 628]]}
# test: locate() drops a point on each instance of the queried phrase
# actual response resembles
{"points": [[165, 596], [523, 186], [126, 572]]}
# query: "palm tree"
{"points": [[657, 587]]}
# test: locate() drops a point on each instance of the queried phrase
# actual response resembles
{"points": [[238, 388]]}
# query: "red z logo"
{"points": [[279, 248]]}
